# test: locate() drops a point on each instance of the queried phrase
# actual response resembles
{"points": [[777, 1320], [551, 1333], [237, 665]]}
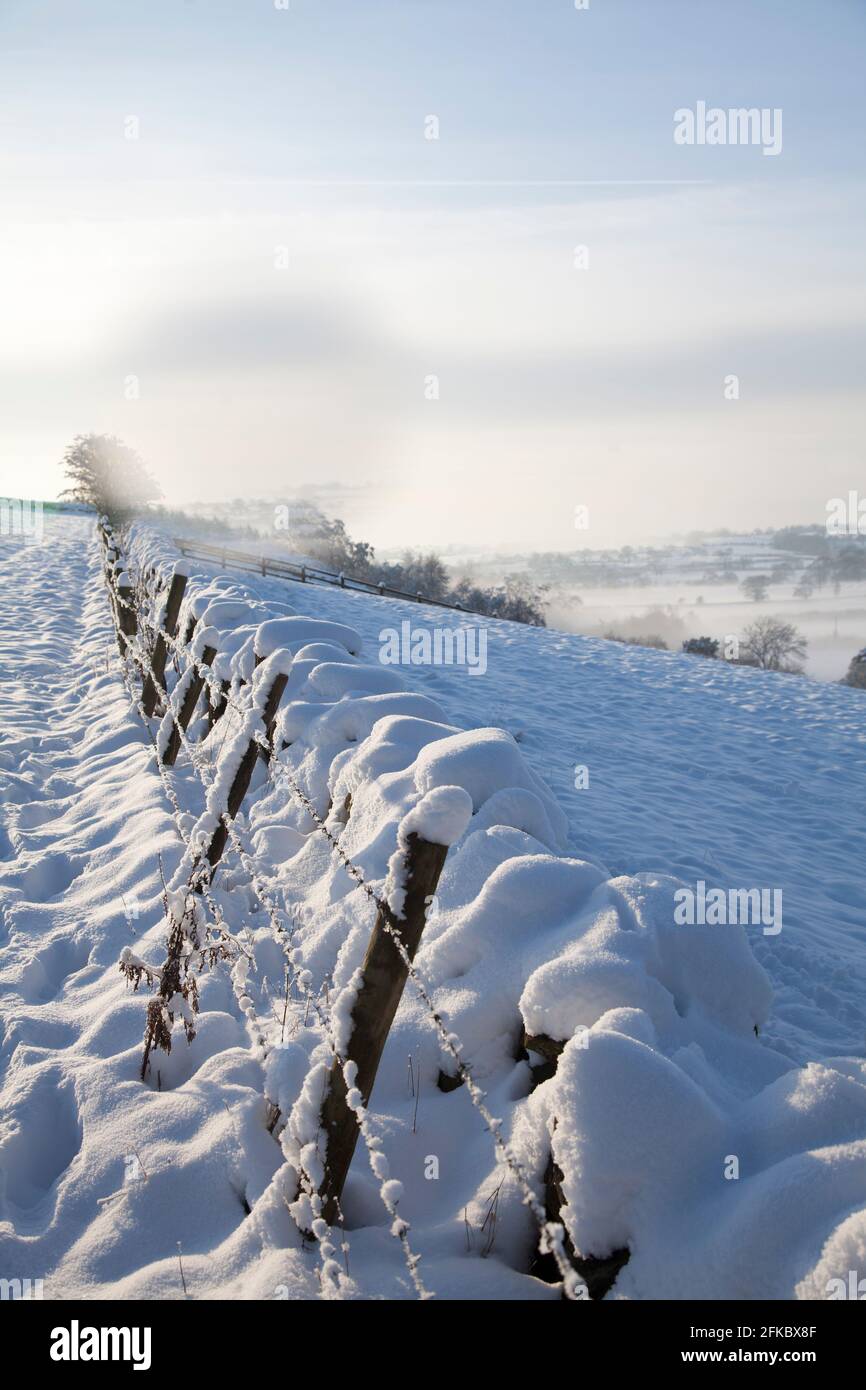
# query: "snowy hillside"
{"points": [[695, 1102]]}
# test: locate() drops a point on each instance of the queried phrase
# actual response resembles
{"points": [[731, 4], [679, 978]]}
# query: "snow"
{"points": [[485, 761], [440, 817], [230, 613], [203, 637], [799, 1143], [331, 680], [685, 1052], [297, 632]]}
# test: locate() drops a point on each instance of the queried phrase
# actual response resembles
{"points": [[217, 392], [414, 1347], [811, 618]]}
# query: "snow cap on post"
{"points": [[440, 817], [204, 637], [278, 663]]}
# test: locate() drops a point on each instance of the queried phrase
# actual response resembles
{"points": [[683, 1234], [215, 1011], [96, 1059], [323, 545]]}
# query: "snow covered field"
{"points": [[730, 1164]]}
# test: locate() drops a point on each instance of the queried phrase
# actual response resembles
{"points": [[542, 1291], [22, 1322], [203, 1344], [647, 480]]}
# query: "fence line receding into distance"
{"points": [[268, 565], [143, 644]]}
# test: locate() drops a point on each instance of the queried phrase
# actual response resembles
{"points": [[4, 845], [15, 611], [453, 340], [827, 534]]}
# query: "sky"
{"points": [[227, 237]]}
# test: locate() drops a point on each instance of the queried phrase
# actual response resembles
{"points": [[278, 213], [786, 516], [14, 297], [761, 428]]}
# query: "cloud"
{"points": [[241, 333]]}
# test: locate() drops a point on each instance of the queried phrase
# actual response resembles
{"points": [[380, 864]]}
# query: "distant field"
{"points": [[834, 624]]}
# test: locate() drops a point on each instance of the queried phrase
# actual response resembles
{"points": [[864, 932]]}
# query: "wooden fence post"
{"points": [[384, 976], [127, 625], [599, 1275], [121, 597], [110, 572], [187, 709], [240, 785], [155, 677], [216, 711]]}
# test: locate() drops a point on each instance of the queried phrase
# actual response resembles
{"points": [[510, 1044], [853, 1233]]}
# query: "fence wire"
{"points": [[552, 1234]]}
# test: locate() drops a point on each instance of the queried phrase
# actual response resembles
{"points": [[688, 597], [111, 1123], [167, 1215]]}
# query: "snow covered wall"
{"points": [[619, 1047]]}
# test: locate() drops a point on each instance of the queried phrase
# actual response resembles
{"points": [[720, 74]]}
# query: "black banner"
{"points": [[172, 1338]]}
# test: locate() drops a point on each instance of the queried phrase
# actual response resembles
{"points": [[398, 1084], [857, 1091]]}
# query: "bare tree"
{"points": [[107, 474], [775, 646], [756, 587]]}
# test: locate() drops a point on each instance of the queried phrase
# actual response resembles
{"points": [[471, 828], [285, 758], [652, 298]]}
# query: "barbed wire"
{"points": [[399, 1226], [552, 1234], [243, 996], [245, 1001], [196, 864], [238, 979]]}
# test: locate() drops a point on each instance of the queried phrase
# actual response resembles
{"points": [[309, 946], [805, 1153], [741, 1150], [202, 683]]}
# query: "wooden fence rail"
{"points": [[285, 569]]}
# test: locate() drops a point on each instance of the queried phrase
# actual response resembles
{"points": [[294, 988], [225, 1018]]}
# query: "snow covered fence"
{"points": [[120, 589], [322, 661], [239, 759], [730, 1166]]}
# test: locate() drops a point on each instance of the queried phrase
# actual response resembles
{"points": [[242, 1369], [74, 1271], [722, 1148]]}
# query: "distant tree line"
{"points": [[327, 540], [844, 564], [108, 475]]}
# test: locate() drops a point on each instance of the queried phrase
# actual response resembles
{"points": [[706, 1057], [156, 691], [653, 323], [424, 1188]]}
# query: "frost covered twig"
{"points": [[190, 947]]}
